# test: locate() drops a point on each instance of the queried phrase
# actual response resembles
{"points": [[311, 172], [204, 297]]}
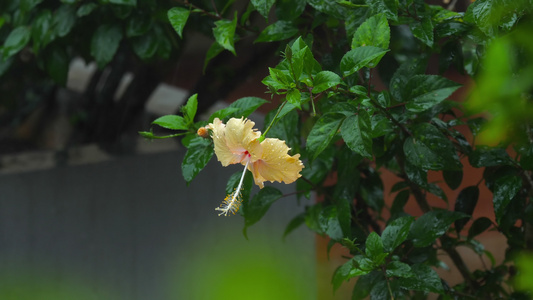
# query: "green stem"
{"points": [[262, 137]]}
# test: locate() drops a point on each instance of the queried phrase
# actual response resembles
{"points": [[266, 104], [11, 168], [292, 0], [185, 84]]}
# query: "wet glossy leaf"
{"points": [[399, 269], [356, 132], [178, 18], [431, 225], [388, 7], [374, 247], [424, 279], [396, 231], [466, 203], [423, 30], [484, 156], [323, 132], [426, 91], [328, 221], [198, 155], [359, 58], [281, 30], [504, 189], [325, 80], [430, 149], [263, 6], [256, 208], [294, 97], [224, 33], [374, 31]]}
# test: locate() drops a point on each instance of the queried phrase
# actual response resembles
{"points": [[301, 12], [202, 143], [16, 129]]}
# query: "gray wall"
{"points": [[129, 228]]}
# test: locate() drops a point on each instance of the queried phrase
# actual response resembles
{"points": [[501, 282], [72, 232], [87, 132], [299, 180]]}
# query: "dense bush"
{"points": [[361, 90]]}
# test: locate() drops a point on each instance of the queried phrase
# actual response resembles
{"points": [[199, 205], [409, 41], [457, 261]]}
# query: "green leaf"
{"points": [[263, 6], [424, 279], [86, 9], [374, 247], [296, 222], [397, 206], [42, 33], [137, 25], [374, 31], [17, 39], [345, 272], [178, 18], [247, 105], [27, 5], [388, 7], [256, 208], [224, 113], [396, 231], [402, 75], [328, 221], [479, 226], [466, 203], [484, 14], [294, 97], [224, 33], [172, 122], [453, 178], [145, 46], [105, 42], [290, 9], [356, 132], [431, 225], [489, 157], [399, 269], [430, 149], [325, 80], [360, 57], [212, 52], [64, 19], [57, 64], [423, 30], [198, 155], [323, 132], [365, 283], [504, 189], [425, 91], [281, 30], [189, 109], [329, 7], [124, 2]]}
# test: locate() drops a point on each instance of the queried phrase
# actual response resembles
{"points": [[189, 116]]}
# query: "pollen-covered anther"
{"points": [[231, 204]]}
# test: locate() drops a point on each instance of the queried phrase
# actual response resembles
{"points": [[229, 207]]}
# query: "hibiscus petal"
{"points": [[274, 163]]}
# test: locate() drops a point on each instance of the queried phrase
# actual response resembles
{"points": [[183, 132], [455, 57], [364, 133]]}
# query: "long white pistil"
{"points": [[233, 201]]}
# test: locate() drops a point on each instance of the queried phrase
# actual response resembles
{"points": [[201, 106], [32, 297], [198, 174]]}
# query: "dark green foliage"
{"points": [[360, 94]]}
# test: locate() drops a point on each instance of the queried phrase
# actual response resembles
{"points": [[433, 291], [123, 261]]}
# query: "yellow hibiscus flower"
{"points": [[268, 160]]}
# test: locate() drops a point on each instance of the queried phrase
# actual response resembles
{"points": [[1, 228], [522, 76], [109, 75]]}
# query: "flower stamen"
{"points": [[233, 201]]}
